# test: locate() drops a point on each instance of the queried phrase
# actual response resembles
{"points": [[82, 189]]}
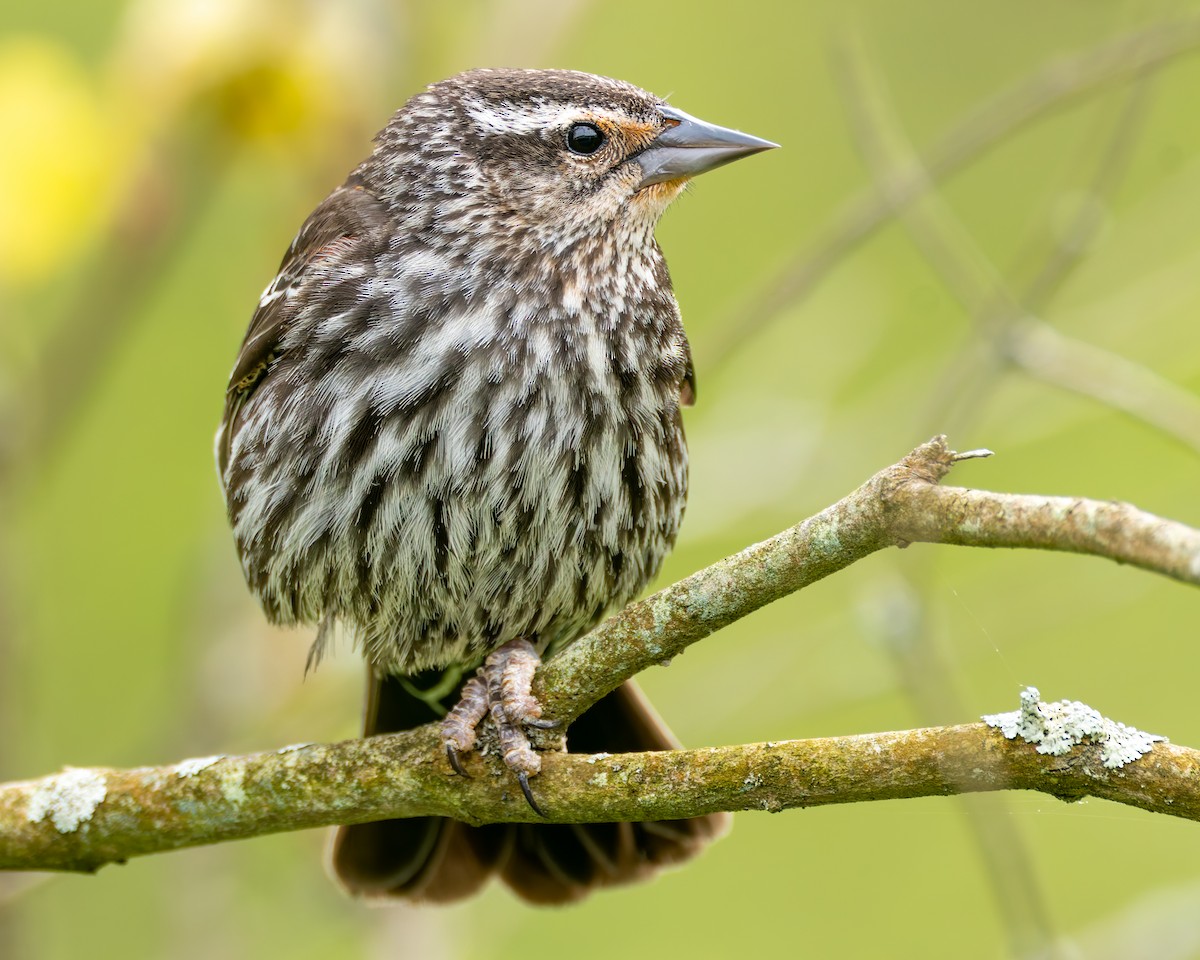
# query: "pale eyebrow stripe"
{"points": [[527, 118]]}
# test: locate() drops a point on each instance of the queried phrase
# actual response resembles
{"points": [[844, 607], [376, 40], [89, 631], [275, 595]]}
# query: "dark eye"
{"points": [[584, 139]]}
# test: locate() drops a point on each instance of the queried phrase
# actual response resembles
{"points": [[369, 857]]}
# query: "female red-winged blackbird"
{"points": [[454, 428]]}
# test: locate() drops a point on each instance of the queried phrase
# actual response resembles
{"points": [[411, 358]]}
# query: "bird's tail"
{"points": [[435, 859]]}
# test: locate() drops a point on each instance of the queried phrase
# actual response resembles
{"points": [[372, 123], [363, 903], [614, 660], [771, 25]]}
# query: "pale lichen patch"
{"points": [[826, 537], [663, 611], [191, 767], [69, 799], [1056, 728], [232, 784]]}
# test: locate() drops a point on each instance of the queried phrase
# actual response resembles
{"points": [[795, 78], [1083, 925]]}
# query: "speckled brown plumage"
{"points": [[455, 423]]}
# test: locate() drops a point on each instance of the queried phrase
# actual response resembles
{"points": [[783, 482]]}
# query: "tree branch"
{"points": [[155, 809], [84, 818], [901, 504]]}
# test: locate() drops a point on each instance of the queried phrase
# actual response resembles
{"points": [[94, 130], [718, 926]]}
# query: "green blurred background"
{"points": [[158, 157]]}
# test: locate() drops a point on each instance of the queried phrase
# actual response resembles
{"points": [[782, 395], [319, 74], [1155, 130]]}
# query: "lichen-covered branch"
{"points": [[900, 505], [84, 818]]}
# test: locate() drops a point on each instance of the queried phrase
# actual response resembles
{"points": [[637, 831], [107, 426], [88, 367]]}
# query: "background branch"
{"points": [[1055, 86], [1011, 325], [82, 819], [1009, 331]]}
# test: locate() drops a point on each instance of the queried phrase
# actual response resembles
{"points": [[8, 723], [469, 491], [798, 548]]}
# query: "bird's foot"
{"points": [[503, 689]]}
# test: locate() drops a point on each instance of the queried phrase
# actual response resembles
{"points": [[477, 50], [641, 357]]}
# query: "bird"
{"points": [[454, 432]]}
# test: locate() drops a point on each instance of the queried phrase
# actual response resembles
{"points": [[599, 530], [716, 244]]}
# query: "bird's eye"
{"points": [[584, 139]]}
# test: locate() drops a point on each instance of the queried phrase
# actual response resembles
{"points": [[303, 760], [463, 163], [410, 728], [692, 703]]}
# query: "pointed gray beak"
{"points": [[691, 147]]}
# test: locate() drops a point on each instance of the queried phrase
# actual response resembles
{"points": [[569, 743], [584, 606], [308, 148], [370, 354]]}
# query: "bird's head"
{"points": [[549, 155]]}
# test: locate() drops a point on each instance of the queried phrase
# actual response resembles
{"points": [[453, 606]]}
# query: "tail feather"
{"points": [[437, 860]]}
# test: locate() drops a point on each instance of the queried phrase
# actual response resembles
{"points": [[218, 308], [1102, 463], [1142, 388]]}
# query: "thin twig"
{"points": [[900, 505]]}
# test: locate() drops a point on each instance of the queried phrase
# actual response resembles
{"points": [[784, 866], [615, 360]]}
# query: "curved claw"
{"points": [[539, 724], [523, 779], [452, 756]]}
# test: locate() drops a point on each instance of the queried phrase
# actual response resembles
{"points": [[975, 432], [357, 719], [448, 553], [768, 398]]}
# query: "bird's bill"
{"points": [[690, 146]]}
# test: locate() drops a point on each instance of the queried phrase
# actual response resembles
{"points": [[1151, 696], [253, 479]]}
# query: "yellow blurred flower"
{"points": [[265, 70], [267, 73], [59, 159]]}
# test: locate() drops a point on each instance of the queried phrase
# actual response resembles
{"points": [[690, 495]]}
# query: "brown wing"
{"points": [[687, 389], [343, 220]]}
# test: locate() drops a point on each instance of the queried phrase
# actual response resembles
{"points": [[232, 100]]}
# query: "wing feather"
{"points": [[349, 224]]}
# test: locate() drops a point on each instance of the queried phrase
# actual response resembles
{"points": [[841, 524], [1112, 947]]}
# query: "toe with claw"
{"points": [[502, 689], [458, 729]]}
